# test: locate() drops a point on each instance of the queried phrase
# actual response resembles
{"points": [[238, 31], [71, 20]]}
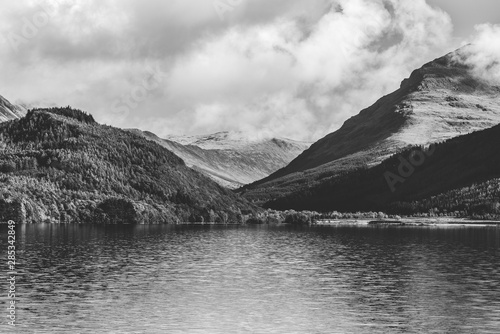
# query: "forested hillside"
{"points": [[59, 165], [460, 174], [480, 200]]}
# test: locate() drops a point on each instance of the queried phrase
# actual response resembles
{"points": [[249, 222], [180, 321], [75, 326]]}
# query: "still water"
{"points": [[187, 279]]}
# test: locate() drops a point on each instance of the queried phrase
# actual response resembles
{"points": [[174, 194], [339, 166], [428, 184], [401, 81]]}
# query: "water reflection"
{"points": [[208, 279]]}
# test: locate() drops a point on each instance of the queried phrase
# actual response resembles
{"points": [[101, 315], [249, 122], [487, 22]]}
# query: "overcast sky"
{"points": [[289, 68]]}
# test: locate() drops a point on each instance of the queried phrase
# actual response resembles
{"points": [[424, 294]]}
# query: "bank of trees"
{"points": [[61, 166]]}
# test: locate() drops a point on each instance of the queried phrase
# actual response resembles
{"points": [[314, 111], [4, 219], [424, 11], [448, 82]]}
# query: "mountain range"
{"points": [[430, 146], [441, 100], [232, 159], [59, 165]]}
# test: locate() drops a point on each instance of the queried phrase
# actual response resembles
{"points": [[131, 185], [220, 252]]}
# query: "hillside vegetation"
{"points": [[460, 174], [59, 165]]}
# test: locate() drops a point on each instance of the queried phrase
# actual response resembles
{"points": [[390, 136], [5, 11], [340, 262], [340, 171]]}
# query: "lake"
{"points": [[261, 279]]}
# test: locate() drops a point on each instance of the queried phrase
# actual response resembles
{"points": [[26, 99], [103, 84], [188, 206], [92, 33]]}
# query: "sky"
{"points": [[269, 68]]}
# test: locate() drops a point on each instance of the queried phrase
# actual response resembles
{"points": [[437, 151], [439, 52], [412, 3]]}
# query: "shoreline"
{"points": [[440, 221], [435, 221]]}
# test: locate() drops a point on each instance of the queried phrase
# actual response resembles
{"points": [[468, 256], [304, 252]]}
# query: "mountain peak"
{"points": [[453, 71], [443, 99]]}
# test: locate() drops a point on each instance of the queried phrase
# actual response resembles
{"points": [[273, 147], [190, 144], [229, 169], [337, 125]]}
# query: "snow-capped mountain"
{"points": [[225, 140], [232, 158], [441, 100], [8, 111]]}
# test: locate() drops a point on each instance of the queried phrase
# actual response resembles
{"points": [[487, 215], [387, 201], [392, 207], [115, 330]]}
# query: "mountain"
{"points": [[231, 158], [441, 100], [459, 175], [59, 165], [8, 111]]}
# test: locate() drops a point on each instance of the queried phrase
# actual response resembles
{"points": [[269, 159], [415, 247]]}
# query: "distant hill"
{"points": [[8, 111], [461, 174], [59, 165], [441, 100], [230, 158]]}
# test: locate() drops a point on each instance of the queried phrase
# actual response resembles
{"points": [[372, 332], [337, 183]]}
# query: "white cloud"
{"points": [[287, 68], [309, 80], [484, 53]]}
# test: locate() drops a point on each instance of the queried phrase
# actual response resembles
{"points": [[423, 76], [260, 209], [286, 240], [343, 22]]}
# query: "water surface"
{"points": [[209, 279]]}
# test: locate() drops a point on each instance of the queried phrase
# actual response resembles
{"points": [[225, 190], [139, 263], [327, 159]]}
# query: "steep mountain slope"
{"points": [[441, 100], [60, 165], [407, 182], [8, 111], [231, 159]]}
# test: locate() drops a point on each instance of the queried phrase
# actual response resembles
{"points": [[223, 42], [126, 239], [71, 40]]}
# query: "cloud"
{"points": [[302, 82], [484, 53], [78, 29], [285, 67]]}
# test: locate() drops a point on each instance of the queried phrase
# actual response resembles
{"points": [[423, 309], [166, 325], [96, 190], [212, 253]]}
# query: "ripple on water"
{"points": [[168, 279]]}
